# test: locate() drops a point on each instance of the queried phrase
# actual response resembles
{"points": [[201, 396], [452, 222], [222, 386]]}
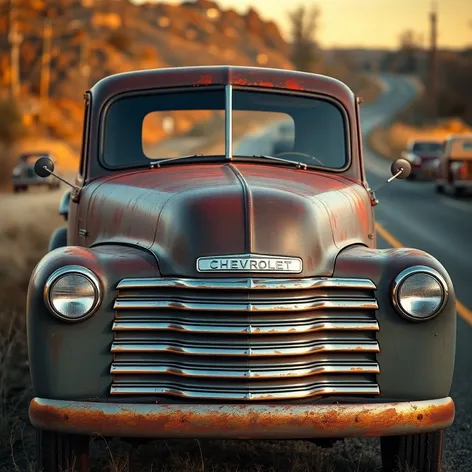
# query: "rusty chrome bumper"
{"points": [[241, 421]]}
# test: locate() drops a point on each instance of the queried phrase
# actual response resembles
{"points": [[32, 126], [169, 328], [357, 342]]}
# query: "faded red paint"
{"points": [[241, 420]]}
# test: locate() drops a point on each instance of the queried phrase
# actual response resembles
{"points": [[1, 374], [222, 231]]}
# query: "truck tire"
{"points": [[420, 452], [58, 452], [58, 239]]}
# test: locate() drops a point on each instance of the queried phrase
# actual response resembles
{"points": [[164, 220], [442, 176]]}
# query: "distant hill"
{"points": [[116, 36]]}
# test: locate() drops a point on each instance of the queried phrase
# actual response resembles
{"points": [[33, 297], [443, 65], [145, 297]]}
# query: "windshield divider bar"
{"points": [[228, 122]]}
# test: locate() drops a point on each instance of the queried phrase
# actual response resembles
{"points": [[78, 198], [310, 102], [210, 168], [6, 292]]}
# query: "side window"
{"points": [[85, 132]]}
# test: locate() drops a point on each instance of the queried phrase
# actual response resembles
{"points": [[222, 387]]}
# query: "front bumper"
{"points": [[241, 421]]}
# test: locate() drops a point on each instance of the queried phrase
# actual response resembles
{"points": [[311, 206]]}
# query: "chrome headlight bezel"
{"points": [[67, 270], [403, 276]]}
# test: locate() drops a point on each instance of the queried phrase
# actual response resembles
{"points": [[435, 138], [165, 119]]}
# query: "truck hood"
{"points": [[184, 212]]}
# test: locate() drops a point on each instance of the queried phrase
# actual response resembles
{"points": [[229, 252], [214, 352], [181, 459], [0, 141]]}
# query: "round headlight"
{"points": [[72, 293], [419, 293]]}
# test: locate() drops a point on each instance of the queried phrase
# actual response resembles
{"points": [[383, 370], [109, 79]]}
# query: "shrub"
{"points": [[120, 40]]}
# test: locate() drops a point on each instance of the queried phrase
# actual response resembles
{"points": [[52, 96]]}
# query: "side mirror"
{"points": [[44, 167], [400, 168]]}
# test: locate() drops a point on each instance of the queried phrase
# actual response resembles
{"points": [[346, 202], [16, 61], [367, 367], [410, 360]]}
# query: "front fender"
{"points": [[416, 359], [58, 238], [72, 360]]}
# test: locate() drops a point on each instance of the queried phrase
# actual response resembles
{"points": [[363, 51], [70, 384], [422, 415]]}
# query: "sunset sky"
{"points": [[373, 22]]}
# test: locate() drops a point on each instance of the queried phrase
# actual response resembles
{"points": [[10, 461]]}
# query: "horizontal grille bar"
{"points": [[208, 306], [183, 348], [268, 372], [308, 326], [269, 393], [248, 284], [245, 339]]}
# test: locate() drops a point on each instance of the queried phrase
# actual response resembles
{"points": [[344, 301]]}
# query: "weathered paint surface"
{"points": [[184, 212], [268, 421]]}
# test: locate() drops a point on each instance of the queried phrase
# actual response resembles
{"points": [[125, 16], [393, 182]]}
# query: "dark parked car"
{"points": [[24, 176], [217, 295], [454, 169], [423, 156]]}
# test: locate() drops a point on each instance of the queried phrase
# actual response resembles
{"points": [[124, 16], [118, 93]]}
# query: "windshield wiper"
{"points": [[299, 165], [158, 163]]}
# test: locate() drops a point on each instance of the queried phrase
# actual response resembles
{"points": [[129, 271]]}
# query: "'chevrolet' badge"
{"points": [[249, 263]]}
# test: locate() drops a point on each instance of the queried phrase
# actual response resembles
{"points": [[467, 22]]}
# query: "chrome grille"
{"points": [[245, 339]]}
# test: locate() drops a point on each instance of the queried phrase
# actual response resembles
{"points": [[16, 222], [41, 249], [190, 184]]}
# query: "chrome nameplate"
{"points": [[250, 263]]}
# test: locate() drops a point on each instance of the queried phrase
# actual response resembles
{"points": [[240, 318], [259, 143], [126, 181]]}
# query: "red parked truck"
{"points": [[454, 169], [198, 292]]}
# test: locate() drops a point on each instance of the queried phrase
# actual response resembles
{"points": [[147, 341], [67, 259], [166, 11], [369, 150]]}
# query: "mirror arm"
{"points": [[373, 198], [389, 180], [60, 178]]}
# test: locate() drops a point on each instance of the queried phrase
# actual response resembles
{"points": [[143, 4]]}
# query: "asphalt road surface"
{"points": [[412, 214]]}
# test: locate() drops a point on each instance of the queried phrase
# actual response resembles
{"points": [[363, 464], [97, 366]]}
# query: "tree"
{"points": [[304, 25], [410, 45], [11, 123]]}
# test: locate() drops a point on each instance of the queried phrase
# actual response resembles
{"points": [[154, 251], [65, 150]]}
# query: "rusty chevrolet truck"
{"points": [[454, 169], [204, 288]]}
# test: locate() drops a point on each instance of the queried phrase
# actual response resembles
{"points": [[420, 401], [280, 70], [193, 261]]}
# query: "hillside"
{"points": [[100, 38]]}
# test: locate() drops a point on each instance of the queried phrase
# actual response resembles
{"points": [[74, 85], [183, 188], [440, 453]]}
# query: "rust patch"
{"points": [[254, 420], [205, 79], [293, 84]]}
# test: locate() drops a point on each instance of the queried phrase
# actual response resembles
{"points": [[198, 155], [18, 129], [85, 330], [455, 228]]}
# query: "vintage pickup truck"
{"points": [[454, 167], [202, 292]]}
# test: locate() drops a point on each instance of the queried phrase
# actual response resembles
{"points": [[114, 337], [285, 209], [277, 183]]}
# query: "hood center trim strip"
{"points": [[248, 209]]}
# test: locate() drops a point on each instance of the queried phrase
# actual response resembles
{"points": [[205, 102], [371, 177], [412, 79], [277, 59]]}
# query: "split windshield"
{"points": [[142, 128]]}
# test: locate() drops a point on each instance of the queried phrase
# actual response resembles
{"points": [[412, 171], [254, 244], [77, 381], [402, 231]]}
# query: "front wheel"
{"points": [[58, 452], [419, 452]]}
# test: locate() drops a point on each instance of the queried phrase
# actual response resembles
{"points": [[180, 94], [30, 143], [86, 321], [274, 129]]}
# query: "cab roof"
{"points": [[203, 76], [460, 136]]}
